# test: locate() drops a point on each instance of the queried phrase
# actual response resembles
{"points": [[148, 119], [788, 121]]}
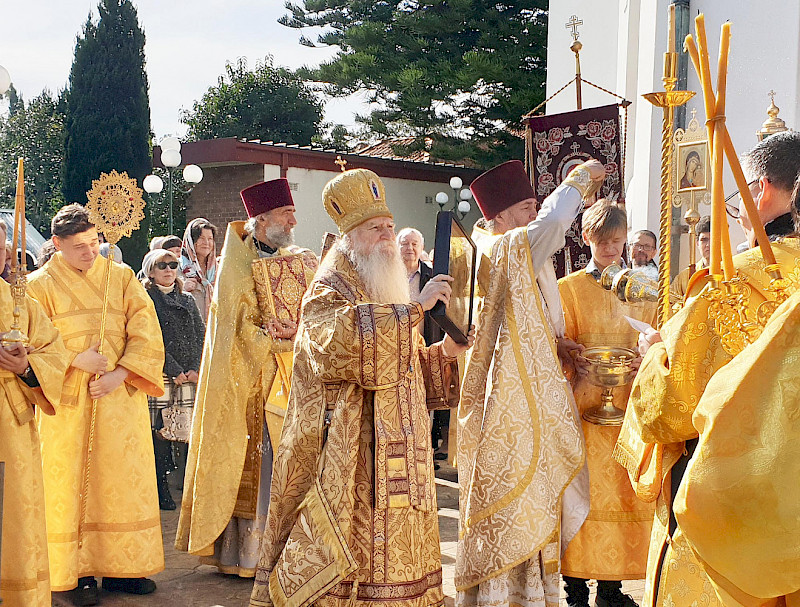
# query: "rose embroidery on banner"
{"points": [[548, 144]]}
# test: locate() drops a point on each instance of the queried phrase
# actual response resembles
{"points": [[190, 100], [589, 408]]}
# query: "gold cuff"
{"points": [[580, 179]]}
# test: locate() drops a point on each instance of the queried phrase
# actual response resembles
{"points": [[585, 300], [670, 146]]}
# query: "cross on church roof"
{"points": [[772, 96], [572, 25]]}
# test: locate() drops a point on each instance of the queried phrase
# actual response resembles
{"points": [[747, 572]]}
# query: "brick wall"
{"points": [[217, 197]]}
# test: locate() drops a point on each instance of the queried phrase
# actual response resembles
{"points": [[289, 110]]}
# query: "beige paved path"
{"points": [[186, 583]]}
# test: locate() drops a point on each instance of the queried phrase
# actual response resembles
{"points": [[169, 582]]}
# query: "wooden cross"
{"points": [[341, 162], [572, 25]]}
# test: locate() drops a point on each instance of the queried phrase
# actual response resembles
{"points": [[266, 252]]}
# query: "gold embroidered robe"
{"points": [[519, 445], [25, 571], [122, 534], [738, 504], [613, 541], [352, 516], [237, 373], [665, 394]]}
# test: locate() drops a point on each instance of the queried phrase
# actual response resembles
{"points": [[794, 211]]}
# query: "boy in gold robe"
{"points": [[30, 377], [352, 517], [612, 544], [114, 530]]}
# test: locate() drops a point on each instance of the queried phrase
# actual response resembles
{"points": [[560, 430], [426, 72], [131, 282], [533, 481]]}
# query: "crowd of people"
{"points": [[306, 437]]}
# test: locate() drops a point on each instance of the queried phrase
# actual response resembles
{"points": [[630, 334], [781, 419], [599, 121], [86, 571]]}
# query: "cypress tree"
{"points": [[107, 109]]}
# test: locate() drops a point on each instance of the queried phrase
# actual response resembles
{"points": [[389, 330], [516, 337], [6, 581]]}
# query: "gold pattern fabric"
{"points": [[519, 445], [352, 517], [666, 391], [612, 544], [122, 534], [354, 196], [24, 570], [238, 373], [739, 502]]}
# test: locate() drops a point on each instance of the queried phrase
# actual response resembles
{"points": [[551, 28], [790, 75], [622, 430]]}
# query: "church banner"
{"points": [[556, 145]]}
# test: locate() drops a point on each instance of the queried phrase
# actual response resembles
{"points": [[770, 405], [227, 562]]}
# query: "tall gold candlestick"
{"points": [[18, 271], [668, 100]]}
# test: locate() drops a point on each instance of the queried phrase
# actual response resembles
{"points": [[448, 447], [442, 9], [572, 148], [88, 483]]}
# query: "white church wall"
{"points": [[624, 42]]}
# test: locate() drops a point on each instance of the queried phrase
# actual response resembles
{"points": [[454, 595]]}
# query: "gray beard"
{"points": [[383, 273], [277, 237]]}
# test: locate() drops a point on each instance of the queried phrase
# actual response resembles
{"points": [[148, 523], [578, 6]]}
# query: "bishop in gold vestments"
{"points": [[24, 571], [658, 424], [241, 398], [352, 517], [121, 536]]}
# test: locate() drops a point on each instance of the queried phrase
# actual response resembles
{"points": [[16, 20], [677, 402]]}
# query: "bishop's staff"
{"points": [[115, 207], [18, 269]]}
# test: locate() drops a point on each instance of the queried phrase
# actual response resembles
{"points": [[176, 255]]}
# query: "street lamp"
{"points": [[171, 159], [461, 197]]}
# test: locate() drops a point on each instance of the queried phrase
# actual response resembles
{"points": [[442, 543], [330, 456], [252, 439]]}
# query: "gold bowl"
{"points": [[609, 368]]}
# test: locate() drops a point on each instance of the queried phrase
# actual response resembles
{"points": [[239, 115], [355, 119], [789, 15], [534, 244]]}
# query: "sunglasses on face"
{"points": [[163, 265]]}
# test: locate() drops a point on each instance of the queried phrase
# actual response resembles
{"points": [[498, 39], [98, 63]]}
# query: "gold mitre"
{"points": [[354, 196]]}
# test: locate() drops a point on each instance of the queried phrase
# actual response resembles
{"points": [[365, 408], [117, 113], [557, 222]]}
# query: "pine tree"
{"points": [[107, 108], [460, 71]]}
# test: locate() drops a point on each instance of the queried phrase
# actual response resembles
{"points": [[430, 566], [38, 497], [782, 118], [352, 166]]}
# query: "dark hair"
{"points": [[648, 233], [46, 252], [704, 225], [172, 241], [777, 158], [70, 220], [199, 226], [604, 219]]}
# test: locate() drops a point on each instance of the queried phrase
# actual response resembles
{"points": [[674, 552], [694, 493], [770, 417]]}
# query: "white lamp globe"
{"points": [[192, 173], [170, 158], [455, 182], [152, 184], [442, 198], [170, 143], [463, 207], [5, 80], [466, 194]]}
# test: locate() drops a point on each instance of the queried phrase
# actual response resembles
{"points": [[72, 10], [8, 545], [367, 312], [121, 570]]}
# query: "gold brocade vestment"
{"points": [[122, 534], [352, 517], [671, 380], [613, 541], [519, 445], [24, 571], [738, 505], [237, 373]]}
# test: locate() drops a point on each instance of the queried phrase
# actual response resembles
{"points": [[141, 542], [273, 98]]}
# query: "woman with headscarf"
{"points": [[183, 330], [199, 262]]}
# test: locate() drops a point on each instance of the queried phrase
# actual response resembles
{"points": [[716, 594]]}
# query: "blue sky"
{"points": [[188, 43]]}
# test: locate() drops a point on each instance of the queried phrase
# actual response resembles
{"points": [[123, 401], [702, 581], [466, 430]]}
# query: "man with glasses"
{"points": [[642, 250], [658, 437]]}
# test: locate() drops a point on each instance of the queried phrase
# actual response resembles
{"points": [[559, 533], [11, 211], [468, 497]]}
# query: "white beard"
{"points": [[278, 237], [382, 271]]}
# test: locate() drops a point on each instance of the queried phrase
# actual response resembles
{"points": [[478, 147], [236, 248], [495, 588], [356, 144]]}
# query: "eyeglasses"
{"points": [[731, 210], [163, 265], [643, 247]]}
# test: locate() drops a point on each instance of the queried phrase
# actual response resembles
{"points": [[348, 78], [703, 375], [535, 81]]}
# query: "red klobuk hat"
{"points": [[501, 187], [265, 196]]}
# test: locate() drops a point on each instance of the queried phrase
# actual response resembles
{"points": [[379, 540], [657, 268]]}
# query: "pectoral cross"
{"points": [[341, 162], [572, 25]]}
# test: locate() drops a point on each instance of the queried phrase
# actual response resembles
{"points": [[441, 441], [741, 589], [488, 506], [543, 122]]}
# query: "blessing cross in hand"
{"points": [[572, 25]]}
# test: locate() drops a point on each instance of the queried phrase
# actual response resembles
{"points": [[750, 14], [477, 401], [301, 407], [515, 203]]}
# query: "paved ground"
{"points": [[186, 583]]}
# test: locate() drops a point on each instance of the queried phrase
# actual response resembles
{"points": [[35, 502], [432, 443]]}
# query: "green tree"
{"points": [[34, 132], [107, 108], [268, 103], [462, 71]]}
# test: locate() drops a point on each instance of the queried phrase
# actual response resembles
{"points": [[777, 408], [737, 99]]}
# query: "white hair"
{"points": [[381, 270], [409, 230]]}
